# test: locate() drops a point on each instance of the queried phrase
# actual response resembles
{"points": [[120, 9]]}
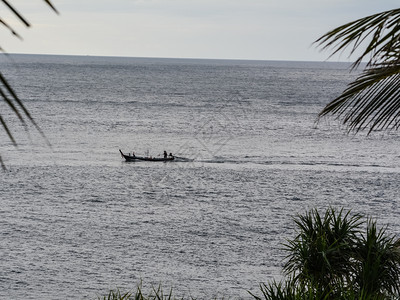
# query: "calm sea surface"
{"points": [[76, 220]]}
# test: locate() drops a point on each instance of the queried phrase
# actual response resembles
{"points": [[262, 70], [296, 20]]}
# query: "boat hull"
{"points": [[142, 158]]}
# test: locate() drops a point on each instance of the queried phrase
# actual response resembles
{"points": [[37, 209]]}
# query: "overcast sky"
{"points": [[226, 29]]}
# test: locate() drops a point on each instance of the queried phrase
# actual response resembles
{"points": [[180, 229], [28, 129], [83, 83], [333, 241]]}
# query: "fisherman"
{"points": [[170, 154], [165, 154]]}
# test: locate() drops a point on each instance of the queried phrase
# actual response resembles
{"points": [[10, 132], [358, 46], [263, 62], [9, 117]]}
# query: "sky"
{"points": [[216, 29]]}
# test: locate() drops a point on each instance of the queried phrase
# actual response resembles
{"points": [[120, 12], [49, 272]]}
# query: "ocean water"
{"points": [[76, 220]]}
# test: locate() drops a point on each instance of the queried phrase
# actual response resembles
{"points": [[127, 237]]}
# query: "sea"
{"points": [[76, 220]]}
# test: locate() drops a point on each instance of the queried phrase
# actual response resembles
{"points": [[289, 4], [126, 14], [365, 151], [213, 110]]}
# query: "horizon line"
{"points": [[178, 58]]}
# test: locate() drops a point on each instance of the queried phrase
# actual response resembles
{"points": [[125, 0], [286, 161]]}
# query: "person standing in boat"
{"points": [[165, 154]]}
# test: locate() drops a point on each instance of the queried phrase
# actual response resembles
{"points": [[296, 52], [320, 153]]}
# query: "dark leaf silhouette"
{"points": [[372, 101], [7, 93]]}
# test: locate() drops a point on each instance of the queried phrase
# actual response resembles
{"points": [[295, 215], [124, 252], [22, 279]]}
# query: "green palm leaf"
{"points": [[7, 94], [52, 6], [10, 28], [16, 13], [372, 101], [382, 30], [378, 263]]}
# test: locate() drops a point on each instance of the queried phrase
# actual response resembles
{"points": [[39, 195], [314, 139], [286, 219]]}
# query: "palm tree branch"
{"points": [[368, 105], [3, 123], [52, 6], [381, 28], [380, 110], [10, 103], [376, 91], [15, 97], [7, 93], [10, 28], [3, 166], [373, 99], [392, 110], [341, 103], [19, 16], [21, 105]]}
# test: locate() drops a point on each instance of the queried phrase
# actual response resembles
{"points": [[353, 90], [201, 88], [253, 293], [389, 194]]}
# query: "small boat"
{"points": [[135, 158]]}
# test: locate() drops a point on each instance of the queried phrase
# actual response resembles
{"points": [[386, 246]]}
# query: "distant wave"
{"points": [[293, 163]]}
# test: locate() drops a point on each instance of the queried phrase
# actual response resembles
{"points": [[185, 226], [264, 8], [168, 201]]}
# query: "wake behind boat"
{"points": [[145, 158]]}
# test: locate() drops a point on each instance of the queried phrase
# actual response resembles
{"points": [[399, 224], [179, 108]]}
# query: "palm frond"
{"points": [[15, 98], [382, 30], [3, 166], [52, 6], [7, 94], [371, 102], [10, 28], [16, 13], [321, 253], [4, 124], [20, 17], [378, 259]]}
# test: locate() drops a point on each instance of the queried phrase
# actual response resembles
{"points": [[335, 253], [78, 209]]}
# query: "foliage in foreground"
{"points": [[7, 93], [155, 294], [332, 258]]}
